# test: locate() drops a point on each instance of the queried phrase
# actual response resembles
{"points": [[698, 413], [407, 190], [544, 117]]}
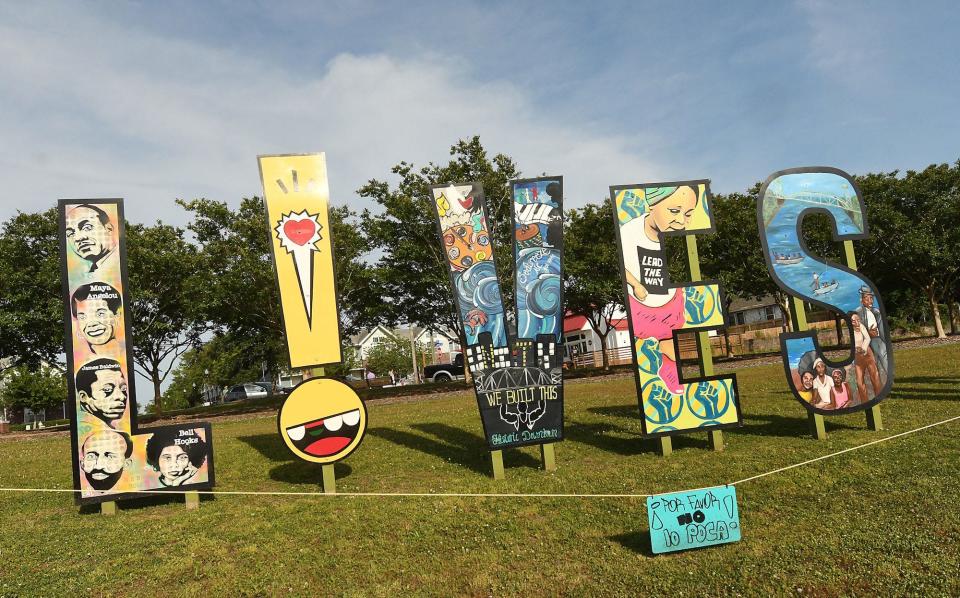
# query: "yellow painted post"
{"points": [[874, 420], [496, 459], [329, 479], [192, 500], [108, 508], [549, 457], [703, 338], [666, 446], [818, 428]]}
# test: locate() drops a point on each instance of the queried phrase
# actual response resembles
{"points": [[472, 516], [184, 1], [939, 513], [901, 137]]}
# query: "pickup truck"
{"points": [[445, 372]]}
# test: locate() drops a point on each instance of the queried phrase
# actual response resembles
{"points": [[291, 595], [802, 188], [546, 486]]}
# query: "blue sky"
{"points": [[153, 101]]}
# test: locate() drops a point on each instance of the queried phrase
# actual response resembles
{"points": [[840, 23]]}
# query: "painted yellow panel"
{"points": [[297, 199]]}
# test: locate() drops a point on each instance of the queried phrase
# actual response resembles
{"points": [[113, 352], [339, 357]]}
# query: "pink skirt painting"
{"points": [[659, 323]]}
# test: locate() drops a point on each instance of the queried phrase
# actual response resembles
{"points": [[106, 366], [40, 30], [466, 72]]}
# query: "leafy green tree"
{"points": [[411, 275], [36, 388], [390, 355], [591, 268], [222, 361], [350, 362], [734, 256], [238, 293], [31, 308], [914, 238], [162, 265]]}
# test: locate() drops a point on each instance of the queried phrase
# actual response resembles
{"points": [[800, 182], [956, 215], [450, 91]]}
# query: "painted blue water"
{"points": [[782, 239]]}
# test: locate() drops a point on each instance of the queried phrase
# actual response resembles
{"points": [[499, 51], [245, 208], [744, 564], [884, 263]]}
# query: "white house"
{"points": [[754, 311], [443, 347], [365, 341], [580, 340]]}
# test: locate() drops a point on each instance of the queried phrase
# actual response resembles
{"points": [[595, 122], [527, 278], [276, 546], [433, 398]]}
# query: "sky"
{"points": [[157, 101]]}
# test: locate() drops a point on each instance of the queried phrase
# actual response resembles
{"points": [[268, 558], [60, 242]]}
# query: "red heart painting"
{"points": [[299, 231]]}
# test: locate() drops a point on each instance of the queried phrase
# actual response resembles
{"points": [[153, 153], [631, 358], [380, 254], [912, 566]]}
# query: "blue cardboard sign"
{"points": [[694, 518]]}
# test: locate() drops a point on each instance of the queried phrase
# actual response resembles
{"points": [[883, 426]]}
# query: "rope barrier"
{"points": [[500, 494]]}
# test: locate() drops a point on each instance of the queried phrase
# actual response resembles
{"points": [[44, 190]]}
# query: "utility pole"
{"points": [[413, 356]]}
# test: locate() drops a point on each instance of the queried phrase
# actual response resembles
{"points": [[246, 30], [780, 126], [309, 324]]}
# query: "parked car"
{"points": [[445, 372], [245, 391], [273, 389]]}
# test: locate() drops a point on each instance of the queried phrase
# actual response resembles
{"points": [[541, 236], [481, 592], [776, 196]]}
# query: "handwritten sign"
{"points": [[692, 519]]}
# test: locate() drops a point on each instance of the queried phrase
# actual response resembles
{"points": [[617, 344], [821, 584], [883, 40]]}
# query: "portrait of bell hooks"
{"points": [[177, 455]]}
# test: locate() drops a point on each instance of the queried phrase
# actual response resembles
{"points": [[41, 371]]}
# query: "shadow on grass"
{"points": [[304, 472], [619, 440], [638, 542], [145, 502], [627, 411], [291, 470], [270, 446], [924, 394], [455, 445], [779, 425], [927, 379]]}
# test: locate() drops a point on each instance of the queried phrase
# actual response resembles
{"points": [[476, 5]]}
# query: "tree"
{"points": [[391, 354], [411, 275], [162, 265], [35, 388], [914, 238], [31, 306], [238, 295], [356, 283], [591, 269], [222, 361], [350, 362], [734, 256]]}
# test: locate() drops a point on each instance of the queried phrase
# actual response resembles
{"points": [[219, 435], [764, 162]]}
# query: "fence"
{"points": [[744, 340]]}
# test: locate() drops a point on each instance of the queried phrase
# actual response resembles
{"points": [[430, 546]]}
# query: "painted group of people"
{"points": [[102, 391], [827, 388]]}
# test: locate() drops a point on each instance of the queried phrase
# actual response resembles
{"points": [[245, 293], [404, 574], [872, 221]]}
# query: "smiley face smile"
{"points": [[326, 436]]}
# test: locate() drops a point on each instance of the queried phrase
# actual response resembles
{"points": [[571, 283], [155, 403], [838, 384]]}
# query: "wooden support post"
{"points": [[329, 479], [850, 255], [706, 369], [496, 460], [703, 338], [192, 500], [666, 446], [716, 440], [818, 428], [108, 508], [798, 315], [874, 420], [548, 456]]}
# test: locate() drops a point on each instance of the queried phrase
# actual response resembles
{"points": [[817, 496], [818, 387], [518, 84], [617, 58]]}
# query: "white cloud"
{"points": [[92, 108]]}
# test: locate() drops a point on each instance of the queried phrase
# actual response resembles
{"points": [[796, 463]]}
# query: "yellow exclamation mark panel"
{"points": [[297, 198]]}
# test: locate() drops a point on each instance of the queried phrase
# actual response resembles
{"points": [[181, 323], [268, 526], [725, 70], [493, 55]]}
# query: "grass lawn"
{"points": [[882, 520]]}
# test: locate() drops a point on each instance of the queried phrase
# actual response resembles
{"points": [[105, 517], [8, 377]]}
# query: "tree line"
{"points": [[205, 307]]}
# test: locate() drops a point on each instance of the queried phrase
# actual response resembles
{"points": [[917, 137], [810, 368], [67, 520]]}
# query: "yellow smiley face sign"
{"points": [[322, 420]]}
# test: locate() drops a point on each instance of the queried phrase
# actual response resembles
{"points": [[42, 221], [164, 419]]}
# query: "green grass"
{"points": [[882, 520]]}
